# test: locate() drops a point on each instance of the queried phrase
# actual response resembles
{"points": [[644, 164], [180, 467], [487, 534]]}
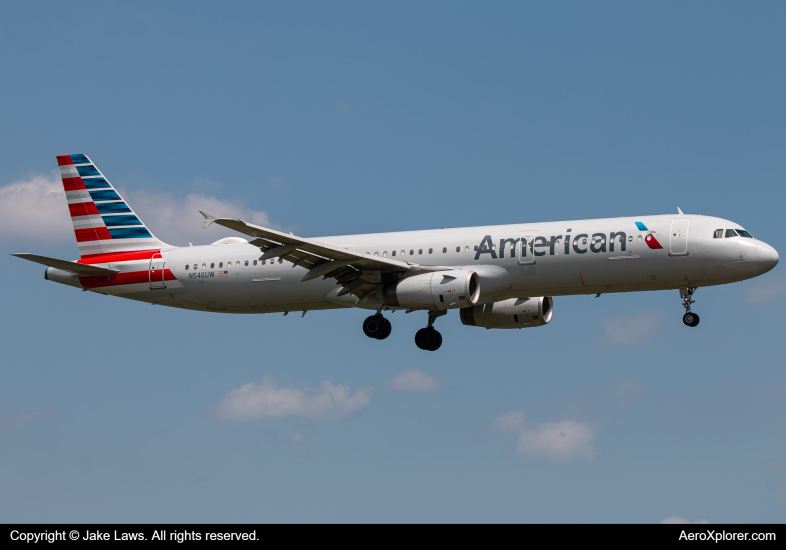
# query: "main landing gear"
{"points": [[377, 327], [690, 319], [428, 338]]}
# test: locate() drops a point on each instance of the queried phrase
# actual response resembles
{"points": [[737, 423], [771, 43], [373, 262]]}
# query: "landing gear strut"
{"points": [[377, 327], [690, 319], [428, 338]]}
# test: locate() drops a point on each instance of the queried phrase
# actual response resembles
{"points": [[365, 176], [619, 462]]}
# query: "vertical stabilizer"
{"points": [[103, 221]]}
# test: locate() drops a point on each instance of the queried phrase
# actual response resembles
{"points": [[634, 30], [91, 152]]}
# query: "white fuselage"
{"points": [[600, 256]]}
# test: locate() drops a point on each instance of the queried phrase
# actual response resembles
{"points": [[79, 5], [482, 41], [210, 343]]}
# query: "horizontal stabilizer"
{"points": [[72, 267]]}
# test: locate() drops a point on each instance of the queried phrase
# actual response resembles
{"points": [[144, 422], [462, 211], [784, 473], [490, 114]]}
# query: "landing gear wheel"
{"points": [[690, 319], [377, 327], [385, 331], [428, 339]]}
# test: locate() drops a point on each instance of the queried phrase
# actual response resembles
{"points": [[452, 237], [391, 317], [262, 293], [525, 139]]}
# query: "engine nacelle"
{"points": [[440, 290], [513, 313]]}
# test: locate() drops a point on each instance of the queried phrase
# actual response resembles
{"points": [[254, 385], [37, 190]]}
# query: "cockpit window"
{"points": [[718, 234], [743, 233], [730, 233]]}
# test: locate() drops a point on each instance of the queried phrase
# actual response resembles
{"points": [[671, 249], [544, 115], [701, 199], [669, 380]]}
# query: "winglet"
{"points": [[679, 211], [209, 218]]}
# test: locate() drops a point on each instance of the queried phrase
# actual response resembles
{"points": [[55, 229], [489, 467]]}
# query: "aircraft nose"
{"points": [[767, 257]]}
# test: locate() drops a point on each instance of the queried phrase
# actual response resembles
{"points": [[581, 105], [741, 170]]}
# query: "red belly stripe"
{"points": [[118, 257], [131, 278]]}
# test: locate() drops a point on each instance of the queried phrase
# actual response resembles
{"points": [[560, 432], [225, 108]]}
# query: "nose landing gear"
{"points": [[428, 338], [377, 327], [690, 319]]}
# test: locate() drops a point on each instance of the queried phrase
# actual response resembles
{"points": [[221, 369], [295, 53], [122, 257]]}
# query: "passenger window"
{"points": [[718, 234], [237, 264], [730, 233], [411, 251], [403, 253], [212, 265], [466, 248], [639, 238], [246, 263], [445, 250], [385, 254], [476, 248], [263, 262], [195, 266], [458, 249], [220, 264], [255, 262], [583, 241], [630, 239], [186, 267], [420, 251], [393, 253], [430, 250], [203, 266], [376, 253], [281, 260]]}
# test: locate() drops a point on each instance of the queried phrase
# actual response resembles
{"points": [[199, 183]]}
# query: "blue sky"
{"points": [[355, 117]]}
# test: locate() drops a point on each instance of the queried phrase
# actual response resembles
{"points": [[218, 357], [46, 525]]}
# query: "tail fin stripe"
{"points": [[72, 184], [63, 160], [96, 183], [87, 170], [82, 209], [112, 208], [105, 195], [92, 234], [80, 159], [129, 233], [122, 219]]}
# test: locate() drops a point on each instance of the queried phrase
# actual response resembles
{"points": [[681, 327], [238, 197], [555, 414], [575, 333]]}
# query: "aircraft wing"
{"points": [[71, 267], [357, 273]]}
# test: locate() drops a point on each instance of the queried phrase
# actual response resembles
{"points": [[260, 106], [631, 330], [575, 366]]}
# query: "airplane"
{"points": [[498, 277]]}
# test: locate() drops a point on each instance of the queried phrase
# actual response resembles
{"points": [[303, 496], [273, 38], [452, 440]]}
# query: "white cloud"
{"points": [[414, 380], [328, 403], [35, 210], [631, 329], [766, 290], [297, 438], [563, 441], [679, 520], [19, 421], [176, 220], [510, 422]]}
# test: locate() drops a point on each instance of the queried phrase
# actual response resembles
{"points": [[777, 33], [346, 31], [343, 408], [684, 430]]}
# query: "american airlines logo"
{"points": [[539, 245]]}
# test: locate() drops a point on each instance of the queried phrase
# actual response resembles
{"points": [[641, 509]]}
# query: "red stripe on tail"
{"points": [[83, 209], [92, 234], [63, 160], [72, 184]]}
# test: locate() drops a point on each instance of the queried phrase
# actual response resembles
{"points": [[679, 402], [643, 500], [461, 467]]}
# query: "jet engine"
{"points": [[513, 313], [440, 290]]}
